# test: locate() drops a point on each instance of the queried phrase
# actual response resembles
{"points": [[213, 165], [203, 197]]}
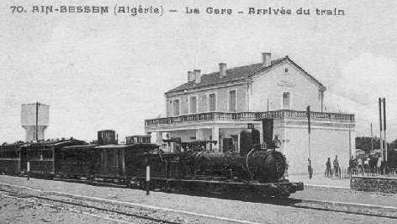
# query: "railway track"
{"points": [[51, 204], [100, 211], [127, 212], [349, 208], [122, 212]]}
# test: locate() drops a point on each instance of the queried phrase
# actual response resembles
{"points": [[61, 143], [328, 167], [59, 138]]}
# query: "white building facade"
{"points": [[271, 96]]}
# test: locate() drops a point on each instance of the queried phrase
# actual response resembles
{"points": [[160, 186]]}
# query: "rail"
{"points": [[249, 116]]}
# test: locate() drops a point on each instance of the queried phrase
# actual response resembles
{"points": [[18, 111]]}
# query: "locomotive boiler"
{"points": [[262, 165]]}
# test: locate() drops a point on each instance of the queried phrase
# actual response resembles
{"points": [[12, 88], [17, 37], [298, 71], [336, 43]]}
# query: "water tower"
{"points": [[35, 119]]}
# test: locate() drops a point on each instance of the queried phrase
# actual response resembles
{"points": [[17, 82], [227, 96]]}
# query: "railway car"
{"points": [[39, 158], [106, 160], [121, 161], [115, 160], [10, 161], [76, 161]]}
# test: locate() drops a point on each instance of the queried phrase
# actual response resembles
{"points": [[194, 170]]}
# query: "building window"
{"points": [[204, 104], [286, 100], [235, 142], [232, 100], [193, 104], [176, 107], [212, 102]]}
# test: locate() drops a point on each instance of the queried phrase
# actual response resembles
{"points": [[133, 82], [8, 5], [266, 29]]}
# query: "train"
{"points": [[259, 171]]}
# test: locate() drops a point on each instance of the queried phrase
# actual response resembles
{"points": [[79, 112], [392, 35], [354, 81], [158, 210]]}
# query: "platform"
{"points": [[321, 181]]}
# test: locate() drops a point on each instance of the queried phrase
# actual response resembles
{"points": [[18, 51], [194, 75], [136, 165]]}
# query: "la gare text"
{"points": [[267, 11]]}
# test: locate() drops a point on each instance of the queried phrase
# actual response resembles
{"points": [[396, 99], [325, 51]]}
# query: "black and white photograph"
{"points": [[211, 111]]}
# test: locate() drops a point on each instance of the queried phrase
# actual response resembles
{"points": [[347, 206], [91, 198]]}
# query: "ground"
{"points": [[15, 211]]}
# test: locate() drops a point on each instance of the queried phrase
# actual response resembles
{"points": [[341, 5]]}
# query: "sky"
{"points": [[111, 72]]}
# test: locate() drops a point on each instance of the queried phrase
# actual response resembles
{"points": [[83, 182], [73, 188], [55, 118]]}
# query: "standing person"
{"points": [[366, 165], [276, 143], [309, 168], [351, 165], [336, 166], [360, 165], [328, 167], [378, 165]]}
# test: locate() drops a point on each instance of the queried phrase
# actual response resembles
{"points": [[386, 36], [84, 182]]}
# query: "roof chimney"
{"points": [[222, 69], [267, 58], [197, 74], [190, 76]]}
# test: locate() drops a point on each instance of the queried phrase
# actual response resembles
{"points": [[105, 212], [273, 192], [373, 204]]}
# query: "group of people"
{"points": [[369, 165], [336, 171]]}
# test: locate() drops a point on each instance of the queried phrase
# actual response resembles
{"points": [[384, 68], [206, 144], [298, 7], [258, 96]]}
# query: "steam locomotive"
{"points": [[259, 171]]}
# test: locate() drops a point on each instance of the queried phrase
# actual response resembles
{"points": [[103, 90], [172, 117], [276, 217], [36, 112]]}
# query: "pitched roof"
{"points": [[236, 74]]}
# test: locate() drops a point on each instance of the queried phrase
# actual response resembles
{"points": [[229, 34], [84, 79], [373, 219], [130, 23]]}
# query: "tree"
{"points": [[364, 143], [393, 144]]}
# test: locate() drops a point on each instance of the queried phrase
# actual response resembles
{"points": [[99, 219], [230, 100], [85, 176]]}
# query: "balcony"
{"points": [[248, 116]]}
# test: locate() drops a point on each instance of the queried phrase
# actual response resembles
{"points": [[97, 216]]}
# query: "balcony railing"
{"points": [[249, 116]]}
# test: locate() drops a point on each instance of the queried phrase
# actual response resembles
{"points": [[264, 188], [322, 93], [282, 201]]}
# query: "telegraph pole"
{"points": [[37, 122], [372, 139], [384, 127], [308, 129], [309, 161], [380, 126]]}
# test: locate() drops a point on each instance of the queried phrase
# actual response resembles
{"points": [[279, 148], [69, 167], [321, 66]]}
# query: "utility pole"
{"points": [[309, 161], [308, 129], [37, 122], [384, 127], [372, 139], [380, 126]]}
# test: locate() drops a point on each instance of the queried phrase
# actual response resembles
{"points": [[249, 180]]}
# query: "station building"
{"points": [[272, 97]]}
